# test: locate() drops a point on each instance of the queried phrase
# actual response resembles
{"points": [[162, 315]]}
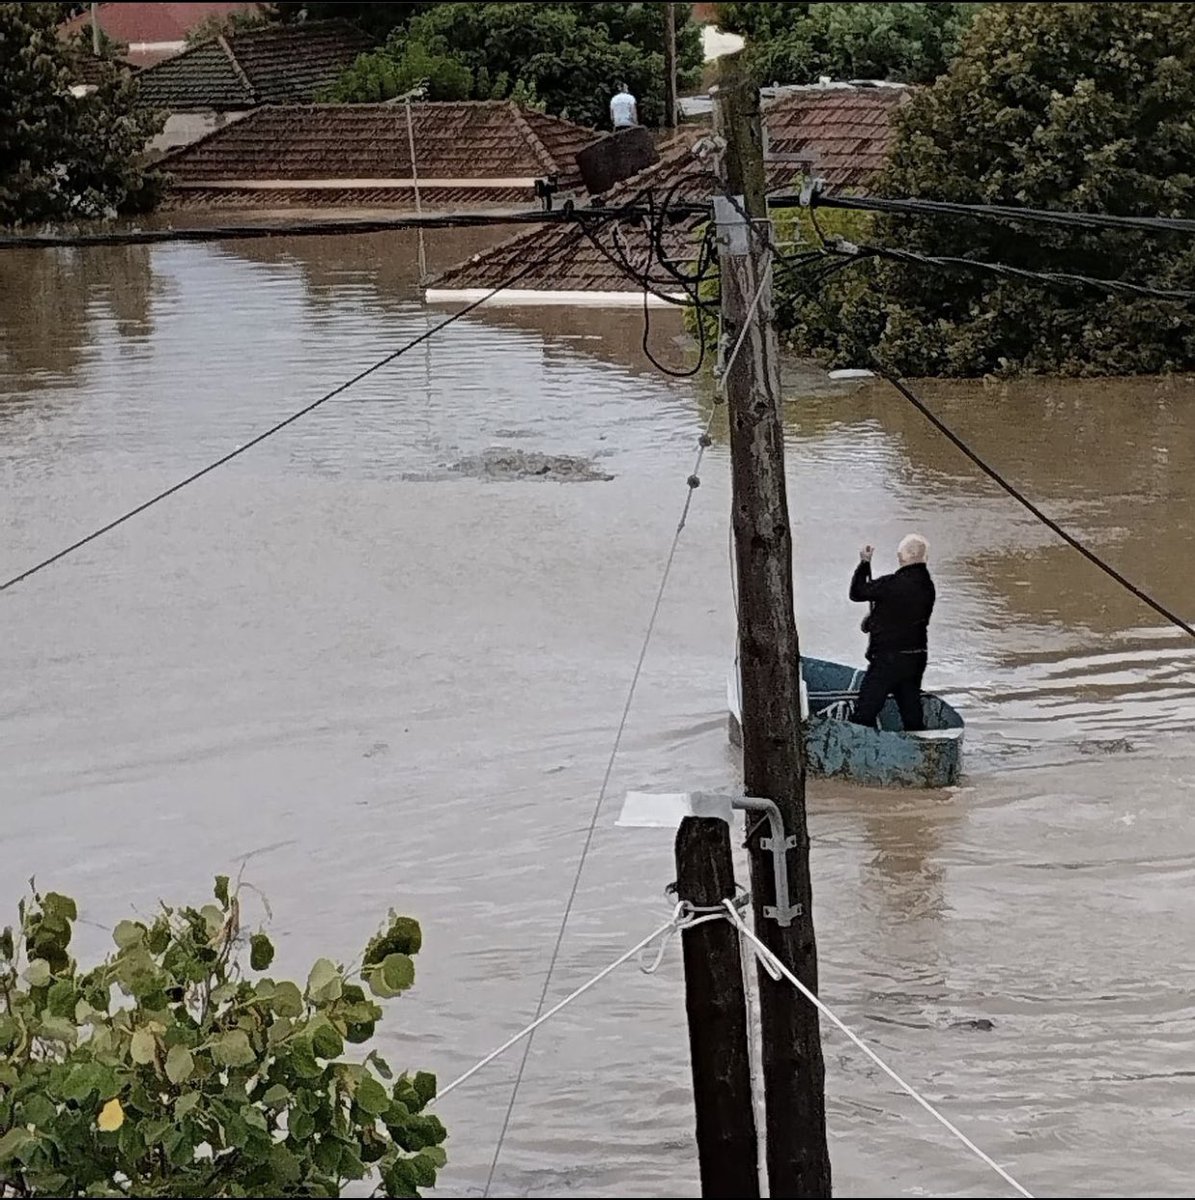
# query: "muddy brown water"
{"points": [[377, 681]]}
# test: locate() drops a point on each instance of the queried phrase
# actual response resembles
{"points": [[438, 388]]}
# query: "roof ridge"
{"points": [[537, 147], [240, 71]]}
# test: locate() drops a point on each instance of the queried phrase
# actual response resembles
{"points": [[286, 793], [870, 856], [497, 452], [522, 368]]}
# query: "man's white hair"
{"points": [[912, 549]]}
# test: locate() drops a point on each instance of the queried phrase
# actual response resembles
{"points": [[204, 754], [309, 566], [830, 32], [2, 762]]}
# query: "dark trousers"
{"points": [[896, 675]]}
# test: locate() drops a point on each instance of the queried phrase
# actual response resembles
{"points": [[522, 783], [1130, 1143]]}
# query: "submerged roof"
{"points": [[492, 149], [840, 134], [283, 64]]}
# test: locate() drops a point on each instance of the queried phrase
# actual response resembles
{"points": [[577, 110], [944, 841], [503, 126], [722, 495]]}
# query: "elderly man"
{"points": [[897, 628]]}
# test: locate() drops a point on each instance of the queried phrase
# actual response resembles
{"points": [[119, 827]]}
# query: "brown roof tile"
{"points": [[842, 134], [288, 64], [466, 140]]}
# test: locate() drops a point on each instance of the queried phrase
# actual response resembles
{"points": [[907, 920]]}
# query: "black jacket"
{"points": [[902, 604]]}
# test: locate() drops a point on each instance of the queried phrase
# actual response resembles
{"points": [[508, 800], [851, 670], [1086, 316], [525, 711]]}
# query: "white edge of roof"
{"points": [[536, 298]]}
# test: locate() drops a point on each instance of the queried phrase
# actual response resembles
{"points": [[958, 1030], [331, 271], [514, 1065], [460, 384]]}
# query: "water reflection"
{"points": [[52, 303]]}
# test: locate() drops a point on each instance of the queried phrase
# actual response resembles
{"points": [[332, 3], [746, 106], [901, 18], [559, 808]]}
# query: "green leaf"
{"points": [[371, 1097], [287, 1000], [179, 1064], [255, 1118], [232, 1049], [213, 919], [261, 952], [379, 1064], [81, 1081], [278, 1094], [425, 1086], [38, 973], [326, 1042], [143, 1048], [437, 1155], [186, 1103], [285, 1167], [128, 934], [221, 889], [402, 937], [14, 1142], [300, 1125], [38, 1111], [399, 972], [302, 1059], [324, 983], [59, 1029], [54, 904]]}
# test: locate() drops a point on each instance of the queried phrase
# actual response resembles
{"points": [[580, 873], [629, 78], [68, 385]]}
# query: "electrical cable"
{"points": [[917, 207]]}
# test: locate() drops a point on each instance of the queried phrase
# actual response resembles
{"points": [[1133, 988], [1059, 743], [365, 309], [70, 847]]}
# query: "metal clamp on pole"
{"points": [[779, 843], [734, 238]]}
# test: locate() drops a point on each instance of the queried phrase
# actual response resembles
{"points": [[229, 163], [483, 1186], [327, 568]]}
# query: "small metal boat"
{"points": [[886, 756]]}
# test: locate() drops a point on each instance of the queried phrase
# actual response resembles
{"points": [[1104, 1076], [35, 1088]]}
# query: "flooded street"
{"points": [[380, 681]]}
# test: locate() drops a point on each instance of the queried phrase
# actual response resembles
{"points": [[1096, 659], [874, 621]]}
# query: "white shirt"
{"points": [[622, 110]]}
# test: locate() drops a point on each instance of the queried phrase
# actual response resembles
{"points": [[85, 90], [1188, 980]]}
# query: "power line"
{"points": [[694, 481], [917, 207], [302, 412], [568, 214], [1004, 270]]}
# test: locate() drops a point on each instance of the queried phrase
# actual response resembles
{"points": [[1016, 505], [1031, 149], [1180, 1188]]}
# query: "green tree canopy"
{"points": [[1083, 107], [377, 18], [569, 56], [797, 43], [64, 157]]}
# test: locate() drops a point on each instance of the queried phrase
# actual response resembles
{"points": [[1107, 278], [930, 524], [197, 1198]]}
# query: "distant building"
{"points": [[839, 133], [152, 32], [468, 154], [220, 80]]}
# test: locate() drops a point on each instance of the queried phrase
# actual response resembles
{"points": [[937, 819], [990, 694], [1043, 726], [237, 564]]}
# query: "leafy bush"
{"points": [[172, 1070]]}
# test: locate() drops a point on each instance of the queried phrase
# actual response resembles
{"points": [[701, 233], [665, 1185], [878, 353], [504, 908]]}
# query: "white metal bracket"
{"points": [[667, 810], [734, 235]]}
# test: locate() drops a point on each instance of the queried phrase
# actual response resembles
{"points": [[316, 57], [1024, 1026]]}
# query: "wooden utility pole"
{"points": [[727, 1146], [669, 66], [95, 30], [769, 655]]}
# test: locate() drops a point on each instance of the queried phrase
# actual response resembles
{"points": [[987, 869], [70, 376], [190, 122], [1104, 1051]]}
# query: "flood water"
{"points": [[377, 682]]}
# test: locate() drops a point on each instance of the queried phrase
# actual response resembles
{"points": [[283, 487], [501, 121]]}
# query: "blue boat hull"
{"points": [[883, 757]]}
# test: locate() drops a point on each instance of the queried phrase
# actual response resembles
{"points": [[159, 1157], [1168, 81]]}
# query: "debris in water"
{"points": [[499, 462], [982, 1024], [1115, 746]]}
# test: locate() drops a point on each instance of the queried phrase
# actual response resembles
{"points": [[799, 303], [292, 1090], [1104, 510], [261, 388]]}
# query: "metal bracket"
{"points": [[734, 237], [667, 810]]}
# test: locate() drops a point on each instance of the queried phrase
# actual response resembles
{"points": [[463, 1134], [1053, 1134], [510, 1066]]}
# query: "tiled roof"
{"points": [[471, 141], [841, 135], [288, 64], [585, 267], [139, 24]]}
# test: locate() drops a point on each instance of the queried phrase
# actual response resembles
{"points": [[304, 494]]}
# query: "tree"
{"points": [[377, 19], [797, 43], [1080, 107], [179, 1067], [61, 156], [570, 56]]}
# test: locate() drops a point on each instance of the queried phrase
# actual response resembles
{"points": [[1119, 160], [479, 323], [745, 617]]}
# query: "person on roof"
{"points": [[897, 627], [624, 113]]}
